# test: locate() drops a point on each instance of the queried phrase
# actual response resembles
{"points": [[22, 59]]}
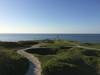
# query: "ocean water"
{"points": [[95, 38]]}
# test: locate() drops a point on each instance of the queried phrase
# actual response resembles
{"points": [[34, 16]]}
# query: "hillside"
{"points": [[12, 63], [65, 57], [57, 57]]}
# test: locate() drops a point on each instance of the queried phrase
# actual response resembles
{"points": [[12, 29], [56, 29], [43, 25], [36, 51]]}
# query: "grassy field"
{"points": [[67, 60], [59, 43], [57, 57], [92, 45], [12, 63]]}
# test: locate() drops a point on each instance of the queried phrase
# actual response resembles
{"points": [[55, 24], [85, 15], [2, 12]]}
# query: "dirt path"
{"points": [[84, 47], [35, 65]]}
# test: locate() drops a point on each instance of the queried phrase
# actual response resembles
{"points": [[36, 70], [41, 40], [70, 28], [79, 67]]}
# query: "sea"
{"points": [[90, 38]]}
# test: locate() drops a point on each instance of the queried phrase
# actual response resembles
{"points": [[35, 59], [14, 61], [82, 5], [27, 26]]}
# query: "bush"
{"points": [[10, 44], [42, 51], [91, 53], [27, 43]]}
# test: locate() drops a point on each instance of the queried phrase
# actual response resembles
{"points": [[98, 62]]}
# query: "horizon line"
{"points": [[49, 33]]}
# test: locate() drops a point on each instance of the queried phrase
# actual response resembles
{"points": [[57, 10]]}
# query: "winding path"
{"points": [[34, 65], [84, 47]]}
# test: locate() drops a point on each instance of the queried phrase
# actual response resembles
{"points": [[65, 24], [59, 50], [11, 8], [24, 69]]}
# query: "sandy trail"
{"points": [[34, 65]]}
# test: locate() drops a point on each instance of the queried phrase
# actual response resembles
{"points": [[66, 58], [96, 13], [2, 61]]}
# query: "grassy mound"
{"points": [[11, 63], [92, 45], [68, 60], [19, 44], [72, 63]]}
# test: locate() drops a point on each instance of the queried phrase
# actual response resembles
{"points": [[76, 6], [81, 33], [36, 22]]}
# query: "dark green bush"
{"points": [[43, 51], [27, 43], [10, 44], [91, 53]]}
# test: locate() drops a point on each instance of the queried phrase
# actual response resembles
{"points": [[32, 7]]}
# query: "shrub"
{"points": [[42, 51]]}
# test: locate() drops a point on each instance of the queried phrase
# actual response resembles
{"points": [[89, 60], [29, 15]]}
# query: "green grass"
{"points": [[92, 45], [44, 59], [60, 60], [59, 43], [69, 61], [11, 63], [73, 63]]}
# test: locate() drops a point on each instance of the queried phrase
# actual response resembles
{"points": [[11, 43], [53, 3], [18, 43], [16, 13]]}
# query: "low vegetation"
{"points": [[67, 60], [16, 45], [57, 57], [12, 63], [92, 45]]}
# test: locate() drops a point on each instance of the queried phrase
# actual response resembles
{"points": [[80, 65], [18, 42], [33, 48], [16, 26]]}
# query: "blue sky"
{"points": [[49, 16]]}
